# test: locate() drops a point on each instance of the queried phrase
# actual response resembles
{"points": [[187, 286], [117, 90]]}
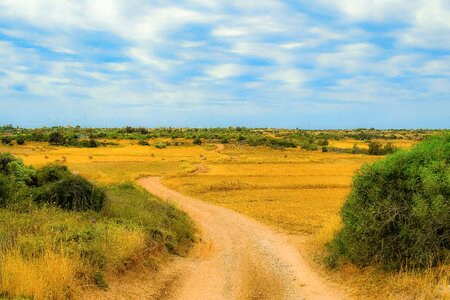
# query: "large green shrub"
{"points": [[56, 138], [73, 192], [6, 190], [51, 173], [398, 212], [53, 184]]}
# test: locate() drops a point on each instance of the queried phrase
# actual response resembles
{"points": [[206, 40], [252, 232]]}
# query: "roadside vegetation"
{"points": [[59, 232], [397, 216]]}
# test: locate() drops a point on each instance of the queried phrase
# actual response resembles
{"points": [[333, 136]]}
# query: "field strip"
{"points": [[238, 258]]}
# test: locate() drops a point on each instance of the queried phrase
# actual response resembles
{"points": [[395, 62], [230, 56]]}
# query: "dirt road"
{"points": [[237, 258]]}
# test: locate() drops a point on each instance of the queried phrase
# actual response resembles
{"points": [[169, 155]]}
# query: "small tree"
{"points": [[56, 138]]}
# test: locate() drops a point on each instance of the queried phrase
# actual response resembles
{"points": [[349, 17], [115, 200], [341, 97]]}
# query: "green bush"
{"points": [[73, 192], [21, 140], [6, 140], [51, 173], [161, 145], [197, 141], [398, 212], [375, 148], [143, 143], [5, 159], [56, 138], [7, 190]]}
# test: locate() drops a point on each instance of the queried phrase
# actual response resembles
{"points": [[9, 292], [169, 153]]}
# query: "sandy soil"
{"points": [[236, 258]]}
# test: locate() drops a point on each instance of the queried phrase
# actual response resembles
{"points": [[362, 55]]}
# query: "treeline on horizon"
{"points": [[78, 136]]}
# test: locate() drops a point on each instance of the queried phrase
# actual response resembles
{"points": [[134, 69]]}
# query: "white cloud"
{"points": [[286, 76], [350, 58], [225, 71]]}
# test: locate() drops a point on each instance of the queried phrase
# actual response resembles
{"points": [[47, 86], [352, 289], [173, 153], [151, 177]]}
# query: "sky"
{"points": [[202, 63]]}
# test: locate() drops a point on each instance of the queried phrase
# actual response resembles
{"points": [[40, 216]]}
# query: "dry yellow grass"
{"points": [[50, 276], [348, 144], [292, 190]]}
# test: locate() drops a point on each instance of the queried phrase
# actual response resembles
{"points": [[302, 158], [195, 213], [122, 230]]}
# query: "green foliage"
{"points": [[276, 138], [161, 145], [5, 159], [323, 142], [21, 140], [56, 138], [72, 192], [51, 173], [99, 280], [165, 224], [52, 184], [308, 145], [376, 148], [197, 141], [143, 142], [7, 190], [6, 140], [398, 212]]}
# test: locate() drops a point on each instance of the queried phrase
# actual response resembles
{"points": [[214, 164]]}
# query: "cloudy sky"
{"points": [[256, 63]]}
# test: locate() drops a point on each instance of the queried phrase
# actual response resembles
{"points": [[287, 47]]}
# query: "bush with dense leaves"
{"points": [[398, 212], [6, 140], [53, 184], [51, 173], [73, 192], [7, 187], [20, 140]]}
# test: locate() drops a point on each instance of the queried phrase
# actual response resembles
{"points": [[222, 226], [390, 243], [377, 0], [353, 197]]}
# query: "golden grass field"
{"points": [[295, 191]]}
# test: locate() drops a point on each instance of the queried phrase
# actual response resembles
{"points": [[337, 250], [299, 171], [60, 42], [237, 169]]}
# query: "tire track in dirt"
{"points": [[237, 258]]}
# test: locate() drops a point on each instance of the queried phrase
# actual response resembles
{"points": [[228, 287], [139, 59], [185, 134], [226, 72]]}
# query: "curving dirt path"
{"points": [[237, 258]]}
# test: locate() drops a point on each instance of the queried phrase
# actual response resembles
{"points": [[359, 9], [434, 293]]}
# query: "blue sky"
{"points": [[262, 63]]}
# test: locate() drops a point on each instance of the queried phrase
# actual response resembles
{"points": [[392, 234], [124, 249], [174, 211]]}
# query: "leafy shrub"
{"points": [[308, 145], [143, 142], [99, 280], [389, 148], [91, 143], [376, 148], [398, 212], [21, 173], [6, 140], [21, 140], [279, 143], [56, 138], [197, 141], [161, 145], [73, 192], [5, 159], [7, 190], [51, 173], [323, 142]]}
